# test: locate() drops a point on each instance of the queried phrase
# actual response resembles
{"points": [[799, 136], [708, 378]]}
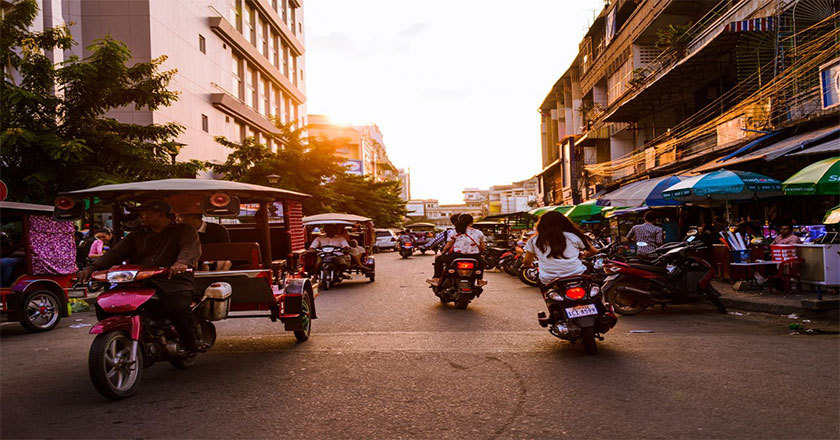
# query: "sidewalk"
{"points": [[805, 304]]}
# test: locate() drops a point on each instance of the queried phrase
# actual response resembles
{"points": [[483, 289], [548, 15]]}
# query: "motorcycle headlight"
{"points": [[555, 296], [122, 276]]}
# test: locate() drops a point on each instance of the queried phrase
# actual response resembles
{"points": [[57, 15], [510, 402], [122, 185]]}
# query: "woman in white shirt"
{"points": [[466, 243], [557, 246]]}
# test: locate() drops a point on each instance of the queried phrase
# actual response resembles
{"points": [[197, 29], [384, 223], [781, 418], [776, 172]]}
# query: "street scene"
{"points": [[344, 219]]}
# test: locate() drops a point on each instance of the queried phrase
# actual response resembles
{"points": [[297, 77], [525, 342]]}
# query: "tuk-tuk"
{"points": [[266, 240], [39, 264], [497, 233], [355, 227], [421, 233]]}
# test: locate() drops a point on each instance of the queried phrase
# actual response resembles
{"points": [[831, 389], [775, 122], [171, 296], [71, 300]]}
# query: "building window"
{"points": [[294, 69], [285, 59], [297, 116], [283, 12], [293, 24], [205, 124], [202, 44], [272, 50], [248, 24], [288, 107], [236, 71], [265, 98], [235, 14], [277, 109], [260, 32], [251, 87]]}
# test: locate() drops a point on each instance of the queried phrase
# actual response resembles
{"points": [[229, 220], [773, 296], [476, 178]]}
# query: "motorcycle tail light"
{"points": [[101, 275], [576, 293], [465, 265], [220, 200]]}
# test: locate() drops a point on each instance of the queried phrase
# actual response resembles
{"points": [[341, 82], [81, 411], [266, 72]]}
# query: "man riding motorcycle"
{"points": [[334, 237], [160, 242]]}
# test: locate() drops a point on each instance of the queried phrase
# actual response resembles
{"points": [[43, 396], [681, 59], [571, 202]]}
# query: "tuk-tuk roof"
{"points": [[25, 207], [432, 225], [487, 223], [334, 218], [245, 191]]}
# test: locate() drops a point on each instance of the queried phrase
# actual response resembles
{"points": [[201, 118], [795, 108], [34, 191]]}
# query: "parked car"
{"points": [[385, 239]]}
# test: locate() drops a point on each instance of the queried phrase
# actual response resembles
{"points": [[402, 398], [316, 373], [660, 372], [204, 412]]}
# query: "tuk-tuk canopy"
{"points": [[420, 225], [247, 192], [25, 207], [334, 218]]}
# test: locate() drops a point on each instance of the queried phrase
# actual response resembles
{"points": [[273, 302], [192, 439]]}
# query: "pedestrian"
{"points": [[648, 233], [786, 235], [557, 246]]}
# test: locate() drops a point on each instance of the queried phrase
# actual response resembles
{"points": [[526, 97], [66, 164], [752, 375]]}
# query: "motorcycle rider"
{"points": [[334, 237], [557, 246], [160, 242], [466, 243], [443, 236]]}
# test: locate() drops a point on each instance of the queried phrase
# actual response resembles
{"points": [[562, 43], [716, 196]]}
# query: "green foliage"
{"points": [[311, 166], [55, 135], [673, 38]]}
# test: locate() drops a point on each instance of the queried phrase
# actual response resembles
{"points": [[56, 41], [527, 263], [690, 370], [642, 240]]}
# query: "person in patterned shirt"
{"points": [[647, 232]]}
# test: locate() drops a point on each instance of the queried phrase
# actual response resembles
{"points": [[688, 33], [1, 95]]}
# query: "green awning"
{"points": [[820, 178], [584, 211]]}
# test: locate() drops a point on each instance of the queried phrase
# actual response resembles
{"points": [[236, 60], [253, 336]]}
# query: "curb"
{"points": [[778, 309]]}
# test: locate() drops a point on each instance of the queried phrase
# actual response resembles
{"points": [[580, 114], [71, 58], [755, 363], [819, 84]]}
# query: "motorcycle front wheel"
{"points": [[529, 276], [112, 372]]}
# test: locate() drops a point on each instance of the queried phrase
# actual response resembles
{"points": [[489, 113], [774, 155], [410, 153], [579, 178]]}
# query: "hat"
{"points": [[156, 205]]}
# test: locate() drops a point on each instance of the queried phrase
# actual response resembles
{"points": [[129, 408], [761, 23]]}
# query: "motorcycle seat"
{"points": [[649, 268]]}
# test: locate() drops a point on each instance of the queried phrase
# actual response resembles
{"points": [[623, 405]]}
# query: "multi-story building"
{"points": [[362, 147], [405, 180], [503, 199], [440, 214], [420, 208], [664, 86], [240, 63]]}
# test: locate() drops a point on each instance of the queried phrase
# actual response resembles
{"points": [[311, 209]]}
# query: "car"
{"points": [[385, 239]]}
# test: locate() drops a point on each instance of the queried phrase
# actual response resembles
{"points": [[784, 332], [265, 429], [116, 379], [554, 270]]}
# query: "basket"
{"points": [[782, 252]]}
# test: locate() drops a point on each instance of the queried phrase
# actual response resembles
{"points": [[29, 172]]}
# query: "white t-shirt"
{"points": [[322, 240], [551, 268], [467, 243]]}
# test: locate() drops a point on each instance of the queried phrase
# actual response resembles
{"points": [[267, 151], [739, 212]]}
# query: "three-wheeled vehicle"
{"points": [[421, 234], [497, 233], [331, 272], [39, 264], [265, 278]]}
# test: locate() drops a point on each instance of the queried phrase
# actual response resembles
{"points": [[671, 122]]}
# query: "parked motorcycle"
{"points": [[493, 257], [576, 311], [406, 249], [330, 273], [134, 332], [458, 283], [673, 277], [530, 275]]}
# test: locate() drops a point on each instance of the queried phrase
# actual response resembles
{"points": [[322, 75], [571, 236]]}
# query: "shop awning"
{"points": [[645, 192], [829, 147], [775, 150]]}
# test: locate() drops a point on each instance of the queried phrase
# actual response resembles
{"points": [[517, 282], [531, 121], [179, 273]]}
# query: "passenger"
{"points": [[101, 244], [466, 243], [207, 233], [13, 256], [356, 253], [557, 246]]}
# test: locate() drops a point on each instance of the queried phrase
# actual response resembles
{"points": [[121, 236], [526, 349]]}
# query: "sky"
{"points": [[453, 86]]}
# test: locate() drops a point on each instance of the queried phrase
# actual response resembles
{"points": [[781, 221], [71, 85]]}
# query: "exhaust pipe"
{"points": [[634, 291]]}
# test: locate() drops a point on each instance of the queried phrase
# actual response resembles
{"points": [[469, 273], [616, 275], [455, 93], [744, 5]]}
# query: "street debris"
{"points": [[78, 305], [792, 316], [736, 314], [641, 331], [80, 325], [799, 329]]}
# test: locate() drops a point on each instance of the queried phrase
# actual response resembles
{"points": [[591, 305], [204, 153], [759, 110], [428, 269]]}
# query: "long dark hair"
{"points": [[550, 231], [464, 221]]}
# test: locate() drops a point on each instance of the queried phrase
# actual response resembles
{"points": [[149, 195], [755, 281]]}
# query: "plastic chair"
{"points": [[789, 271]]}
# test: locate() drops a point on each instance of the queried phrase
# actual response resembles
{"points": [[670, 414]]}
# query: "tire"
{"points": [[108, 348], [376, 250], [714, 298], [40, 310], [625, 305], [587, 337], [526, 275], [462, 303], [510, 268], [306, 321], [208, 332], [325, 281], [372, 277]]}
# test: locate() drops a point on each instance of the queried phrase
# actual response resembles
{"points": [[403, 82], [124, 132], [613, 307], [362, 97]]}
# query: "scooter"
{"points": [[406, 249], [674, 277], [134, 332], [458, 283], [330, 273], [576, 311]]}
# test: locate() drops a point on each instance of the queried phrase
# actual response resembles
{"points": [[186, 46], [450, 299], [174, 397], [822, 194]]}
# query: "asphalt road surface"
{"points": [[387, 360]]}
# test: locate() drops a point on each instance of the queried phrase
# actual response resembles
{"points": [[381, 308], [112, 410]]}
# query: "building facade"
{"points": [[504, 199], [665, 86], [362, 147], [240, 63], [405, 180]]}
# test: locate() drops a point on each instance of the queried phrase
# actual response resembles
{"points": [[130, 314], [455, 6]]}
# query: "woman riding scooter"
{"points": [[557, 247], [466, 243]]}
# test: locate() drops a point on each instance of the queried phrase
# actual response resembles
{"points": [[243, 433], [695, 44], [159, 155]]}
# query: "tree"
{"points": [[309, 165], [55, 135]]}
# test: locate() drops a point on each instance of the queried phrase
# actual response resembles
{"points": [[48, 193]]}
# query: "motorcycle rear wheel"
{"points": [[588, 340], [462, 303], [625, 304], [509, 268], [112, 375]]}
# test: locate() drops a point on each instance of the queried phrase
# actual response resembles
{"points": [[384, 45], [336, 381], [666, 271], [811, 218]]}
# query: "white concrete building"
{"points": [[239, 62]]}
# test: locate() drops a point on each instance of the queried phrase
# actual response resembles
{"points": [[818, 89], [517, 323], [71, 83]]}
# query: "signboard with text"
{"points": [[354, 167]]}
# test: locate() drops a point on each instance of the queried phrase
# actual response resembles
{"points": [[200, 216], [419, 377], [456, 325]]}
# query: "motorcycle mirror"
{"points": [[641, 243]]}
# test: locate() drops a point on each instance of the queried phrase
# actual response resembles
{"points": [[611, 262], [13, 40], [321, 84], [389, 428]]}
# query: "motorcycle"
{"points": [[406, 249], [576, 311], [493, 257], [530, 275], [330, 272], [458, 283], [134, 332], [674, 276]]}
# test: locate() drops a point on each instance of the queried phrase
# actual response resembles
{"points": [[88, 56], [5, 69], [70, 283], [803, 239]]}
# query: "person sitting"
{"points": [[444, 236], [101, 244], [13, 256], [647, 232], [786, 235], [356, 253], [207, 233], [334, 237], [466, 243], [557, 247]]}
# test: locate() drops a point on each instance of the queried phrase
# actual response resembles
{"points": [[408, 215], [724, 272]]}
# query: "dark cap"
{"points": [[156, 205]]}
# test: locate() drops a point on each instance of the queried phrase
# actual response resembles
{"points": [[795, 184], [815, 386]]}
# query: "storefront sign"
{"points": [[830, 84], [353, 167]]}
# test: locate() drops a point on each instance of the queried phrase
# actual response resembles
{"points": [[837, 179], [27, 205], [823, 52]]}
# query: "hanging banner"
{"points": [[830, 84]]}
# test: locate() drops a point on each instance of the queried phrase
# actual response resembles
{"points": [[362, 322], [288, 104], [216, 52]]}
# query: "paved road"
{"points": [[386, 360]]}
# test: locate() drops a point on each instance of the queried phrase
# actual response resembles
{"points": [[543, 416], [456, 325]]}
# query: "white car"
{"points": [[385, 239]]}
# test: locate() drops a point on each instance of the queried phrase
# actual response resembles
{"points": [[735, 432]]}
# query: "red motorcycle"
{"points": [[674, 277], [133, 331]]}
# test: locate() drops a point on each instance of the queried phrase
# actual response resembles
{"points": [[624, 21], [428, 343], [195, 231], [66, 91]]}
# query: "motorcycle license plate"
{"points": [[578, 311]]}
